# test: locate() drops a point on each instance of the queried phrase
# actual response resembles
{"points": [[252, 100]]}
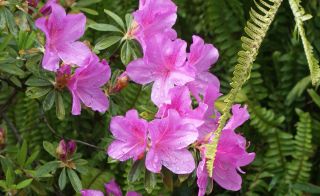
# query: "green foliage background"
{"points": [[284, 128]]}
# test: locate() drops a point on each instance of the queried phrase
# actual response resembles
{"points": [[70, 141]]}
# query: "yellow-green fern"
{"points": [[300, 16], [256, 29]]}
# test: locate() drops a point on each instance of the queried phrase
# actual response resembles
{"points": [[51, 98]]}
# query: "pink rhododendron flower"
{"points": [[231, 155], [88, 192], [130, 133], [154, 17], [112, 189], [180, 101], [62, 30], [163, 64], [85, 85], [211, 115], [170, 138], [201, 57]]}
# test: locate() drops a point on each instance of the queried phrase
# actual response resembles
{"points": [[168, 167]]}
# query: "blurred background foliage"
{"points": [[284, 129]]}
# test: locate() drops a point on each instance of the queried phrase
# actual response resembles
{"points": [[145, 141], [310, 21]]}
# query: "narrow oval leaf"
{"points": [[11, 69], [60, 111], [107, 42], [48, 101], [135, 171], [37, 92], [150, 181], [74, 179], [22, 153], [47, 168], [34, 81], [24, 183], [62, 179], [104, 27], [116, 18], [315, 97], [49, 148]]}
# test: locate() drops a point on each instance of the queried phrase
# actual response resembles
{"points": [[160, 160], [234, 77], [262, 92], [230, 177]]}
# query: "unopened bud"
{"points": [[122, 82], [61, 150], [71, 148]]}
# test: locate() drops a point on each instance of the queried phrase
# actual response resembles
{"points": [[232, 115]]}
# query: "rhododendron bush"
{"points": [[131, 104]]}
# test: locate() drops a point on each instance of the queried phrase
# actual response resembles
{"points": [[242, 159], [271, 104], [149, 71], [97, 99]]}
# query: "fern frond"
{"points": [[250, 48], [300, 17], [299, 169]]}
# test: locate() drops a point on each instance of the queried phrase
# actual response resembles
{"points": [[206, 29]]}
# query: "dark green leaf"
{"points": [[107, 42], [307, 188], [10, 176], [10, 21], [37, 92], [11, 69], [150, 181], [85, 3], [47, 168], [49, 148], [74, 179], [34, 81], [135, 171], [116, 18], [88, 11], [60, 111], [62, 179], [33, 157], [24, 183], [315, 97], [5, 42], [104, 27], [126, 53], [22, 153], [48, 101], [15, 81], [167, 179]]}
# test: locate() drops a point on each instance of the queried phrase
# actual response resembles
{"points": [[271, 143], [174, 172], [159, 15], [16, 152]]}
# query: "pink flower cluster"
{"points": [[81, 70], [181, 124]]}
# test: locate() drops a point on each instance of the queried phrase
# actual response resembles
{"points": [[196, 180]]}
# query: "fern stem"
{"points": [[256, 31], [300, 17]]}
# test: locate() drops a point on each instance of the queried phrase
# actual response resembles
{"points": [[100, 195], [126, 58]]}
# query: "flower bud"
{"points": [[122, 82], [61, 150], [33, 3], [2, 138], [71, 148]]}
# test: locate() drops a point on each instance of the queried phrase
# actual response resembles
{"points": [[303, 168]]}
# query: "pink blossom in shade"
{"points": [[180, 101], [85, 85], [61, 31], [130, 133], [112, 188], [201, 57], [154, 17], [202, 174], [211, 115], [88, 192], [163, 64], [170, 137], [231, 154]]}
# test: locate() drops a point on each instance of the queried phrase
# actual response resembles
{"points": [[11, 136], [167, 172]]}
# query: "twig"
{"points": [[12, 127], [61, 137]]}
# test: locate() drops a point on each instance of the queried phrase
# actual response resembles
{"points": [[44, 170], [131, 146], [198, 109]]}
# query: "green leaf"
{"points": [[126, 53], [11, 69], [62, 179], [107, 42], [22, 153], [10, 21], [307, 188], [297, 90], [37, 92], [315, 97], [33, 157], [85, 3], [150, 181], [60, 111], [24, 183], [48, 101], [88, 11], [135, 171], [10, 176], [129, 19], [49, 148], [15, 81], [3, 184], [116, 18], [5, 42], [167, 179], [104, 27], [74, 179], [47, 168], [38, 82]]}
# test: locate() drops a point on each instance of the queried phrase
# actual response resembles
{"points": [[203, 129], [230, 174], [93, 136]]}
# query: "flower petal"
{"points": [[74, 53]]}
